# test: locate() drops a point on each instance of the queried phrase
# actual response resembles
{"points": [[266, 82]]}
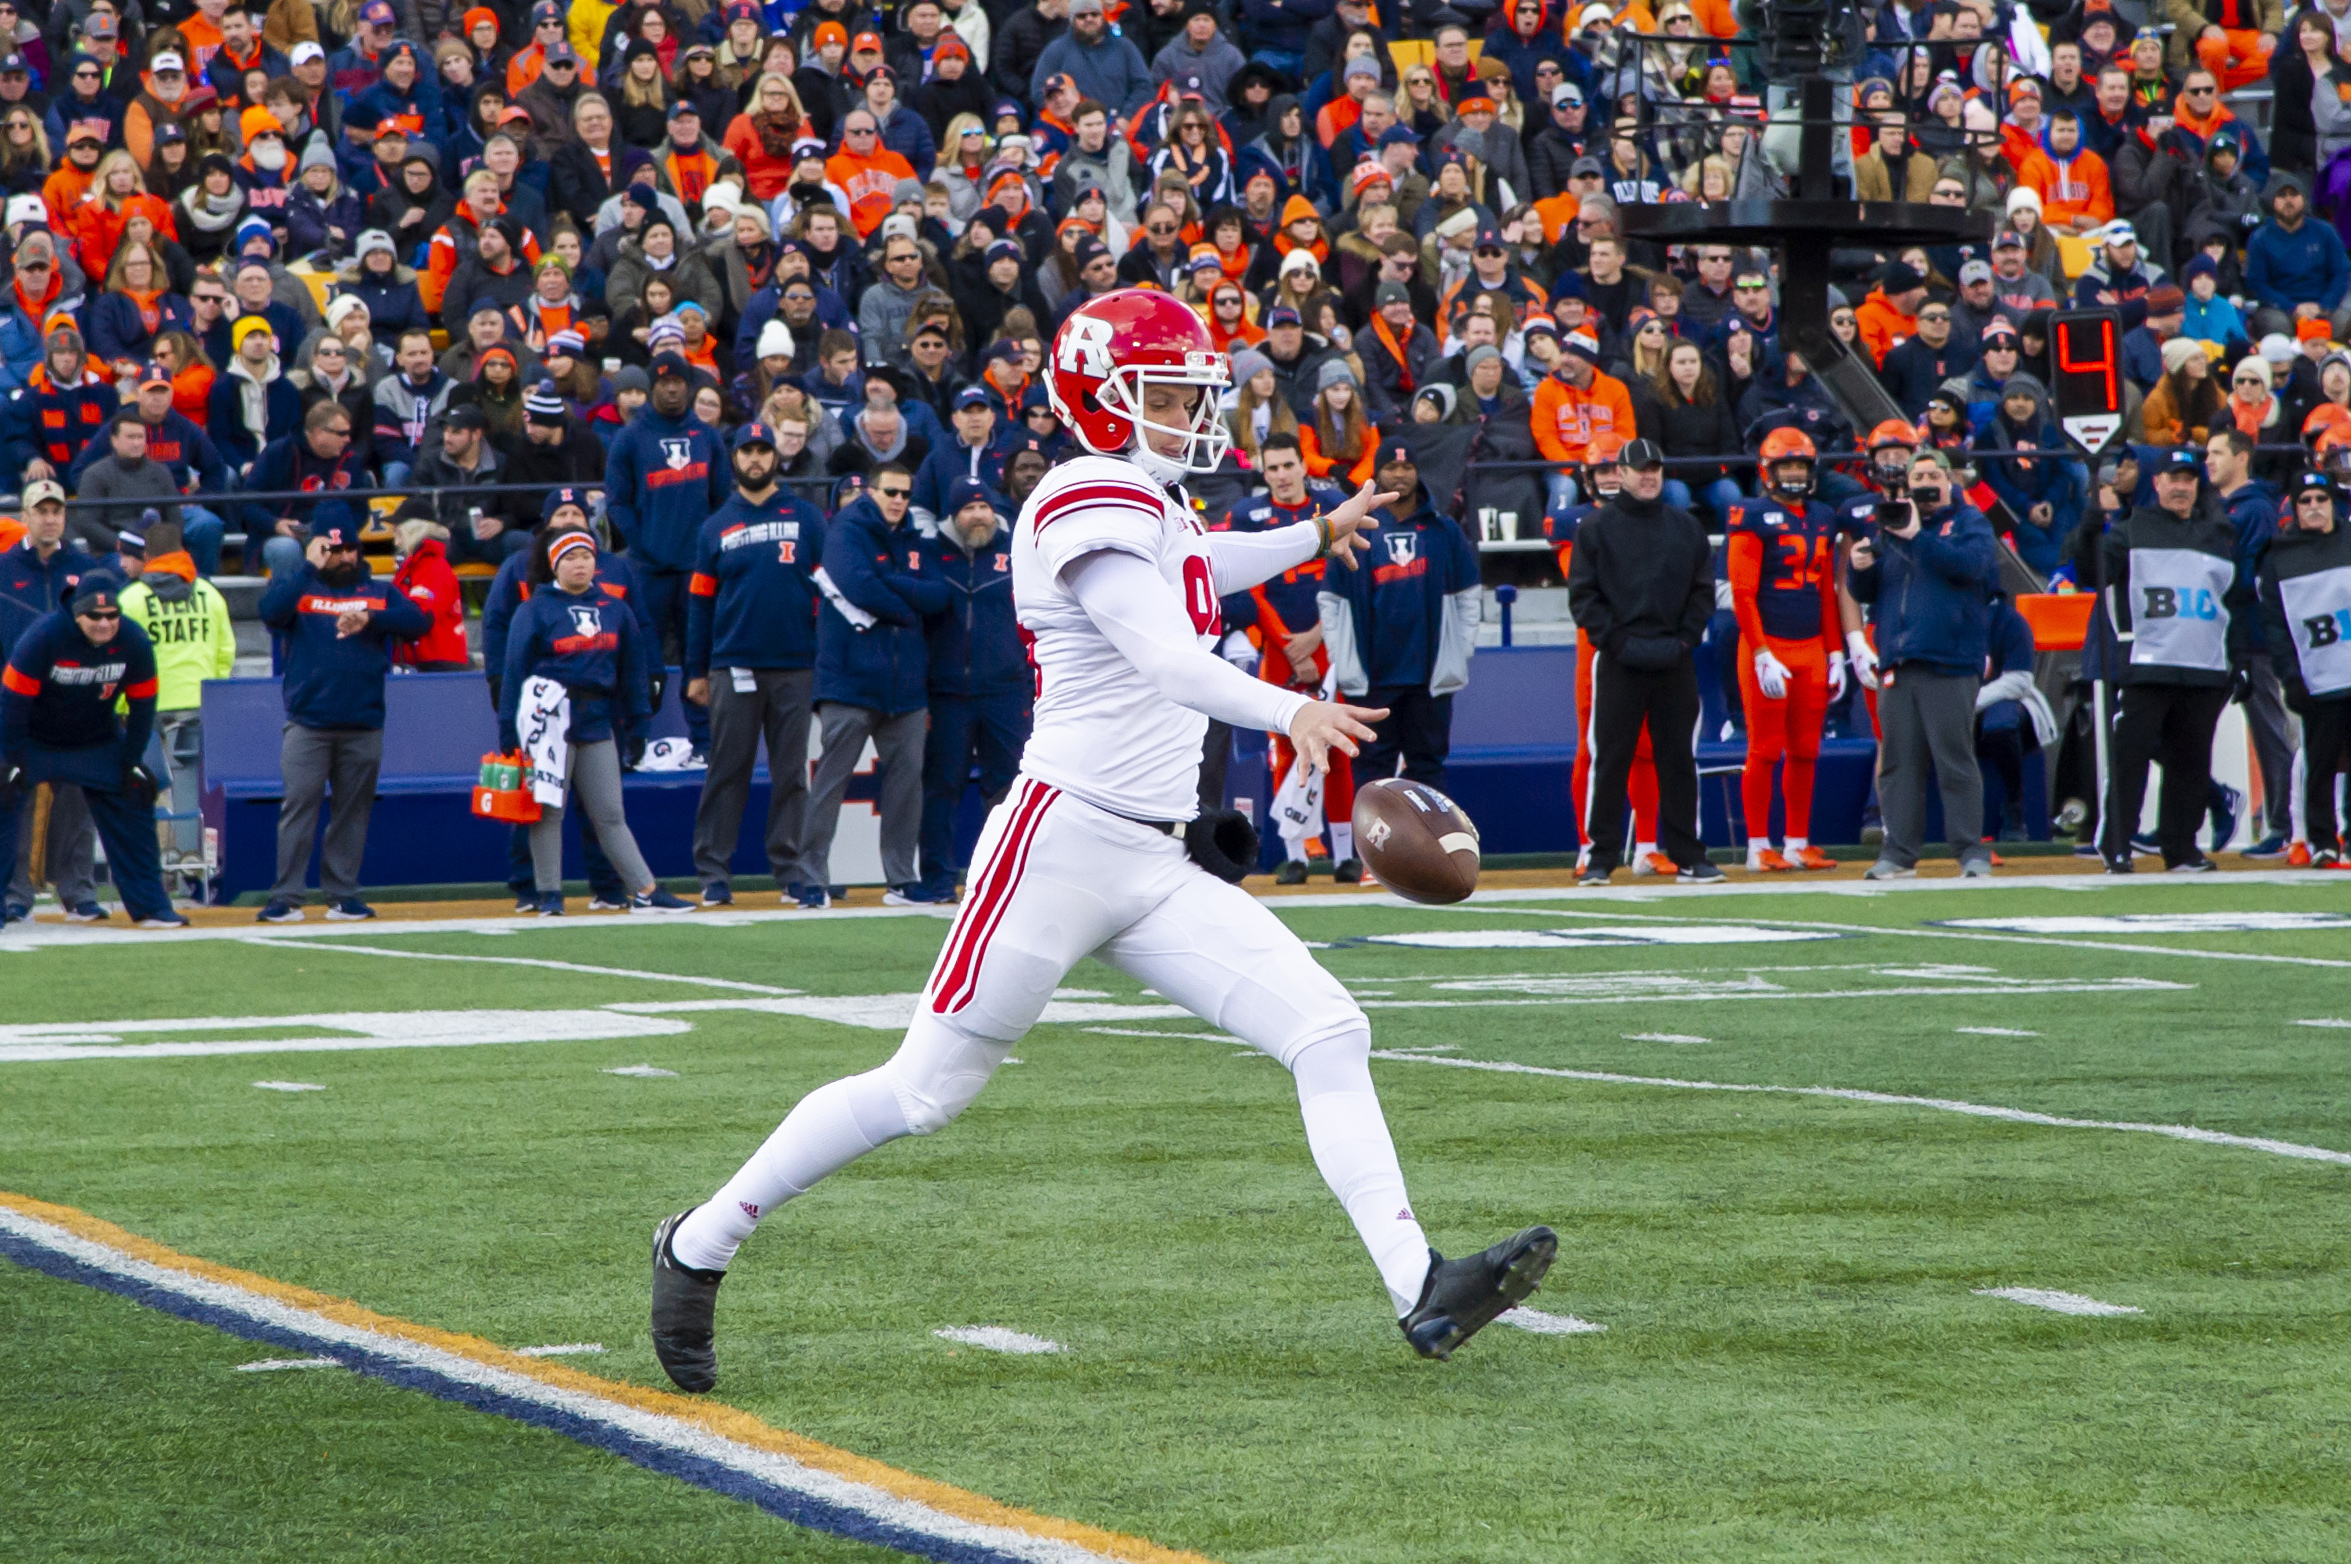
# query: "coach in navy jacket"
{"points": [[872, 671], [981, 685], [750, 662], [58, 723], [664, 477], [338, 623]]}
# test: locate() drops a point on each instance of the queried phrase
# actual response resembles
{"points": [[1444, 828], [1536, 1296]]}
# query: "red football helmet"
{"points": [[1110, 349], [1782, 448]]}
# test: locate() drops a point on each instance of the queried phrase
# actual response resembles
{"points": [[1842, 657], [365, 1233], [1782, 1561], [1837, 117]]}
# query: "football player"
{"points": [[1097, 851], [1601, 477], [1791, 663], [1280, 619]]}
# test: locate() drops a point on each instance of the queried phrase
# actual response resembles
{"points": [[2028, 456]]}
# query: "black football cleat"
{"points": [[1462, 1297], [685, 1311]]}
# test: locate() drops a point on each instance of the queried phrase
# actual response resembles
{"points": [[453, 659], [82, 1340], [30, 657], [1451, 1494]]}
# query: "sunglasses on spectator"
{"points": [[2202, 92], [893, 493], [1934, 314], [101, 615]]}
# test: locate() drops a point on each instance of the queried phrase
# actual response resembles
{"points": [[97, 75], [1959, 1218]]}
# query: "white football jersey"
{"points": [[1103, 731]]}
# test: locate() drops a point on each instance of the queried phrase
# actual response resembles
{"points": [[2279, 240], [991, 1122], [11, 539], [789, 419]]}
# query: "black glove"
{"points": [[2240, 684], [139, 785], [12, 785], [632, 750], [497, 691], [1224, 842], [660, 683]]}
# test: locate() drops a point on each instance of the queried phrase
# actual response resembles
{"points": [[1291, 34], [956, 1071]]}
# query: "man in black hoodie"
{"points": [[2306, 612], [1641, 585], [2182, 603]]}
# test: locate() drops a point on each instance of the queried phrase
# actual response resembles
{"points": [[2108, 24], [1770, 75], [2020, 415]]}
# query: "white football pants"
{"points": [[1054, 880]]}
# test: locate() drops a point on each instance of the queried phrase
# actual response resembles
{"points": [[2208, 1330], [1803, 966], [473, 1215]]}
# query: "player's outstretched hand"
{"points": [[1351, 521], [1322, 726]]}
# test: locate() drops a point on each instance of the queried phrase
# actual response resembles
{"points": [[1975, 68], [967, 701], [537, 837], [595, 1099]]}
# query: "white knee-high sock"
{"points": [[1349, 1138], [1342, 841], [826, 1130]]}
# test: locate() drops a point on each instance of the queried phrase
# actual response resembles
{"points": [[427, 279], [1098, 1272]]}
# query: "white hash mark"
{"points": [[288, 1086], [271, 1365], [995, 1338], [1664, 1037], [651, 1072], [566, 1349], [2058, 1302], [1994, 1031], [1542, 1324]]}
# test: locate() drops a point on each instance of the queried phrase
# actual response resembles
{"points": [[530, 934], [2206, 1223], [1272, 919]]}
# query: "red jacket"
{"points": [[425, 578]]}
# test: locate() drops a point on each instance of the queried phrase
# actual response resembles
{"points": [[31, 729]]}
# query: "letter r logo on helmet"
{"points": [[1084, 347]]}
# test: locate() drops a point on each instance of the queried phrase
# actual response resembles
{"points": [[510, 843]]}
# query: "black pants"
{"points": [[1622, 700], [2171, 724], [985, 733], [2326, 734], [665, 600], [1418, 727], [1216, 753]]}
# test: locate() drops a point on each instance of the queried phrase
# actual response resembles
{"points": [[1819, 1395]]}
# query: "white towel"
{"points": [[543, 724], [847, 610]]}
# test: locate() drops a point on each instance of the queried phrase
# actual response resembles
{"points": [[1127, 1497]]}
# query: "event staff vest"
{"points": [[2316, 594], [2178, 580]]}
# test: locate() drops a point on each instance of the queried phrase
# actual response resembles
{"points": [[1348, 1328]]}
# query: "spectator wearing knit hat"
{"points": [[556, 448]]}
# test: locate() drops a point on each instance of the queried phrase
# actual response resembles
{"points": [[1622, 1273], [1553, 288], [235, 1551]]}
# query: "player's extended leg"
{"points": [[1051, 879], [1807, 714], [1223, 956], [1767, 743]]}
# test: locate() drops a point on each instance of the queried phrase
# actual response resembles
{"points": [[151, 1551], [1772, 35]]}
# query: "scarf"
{"points": [[1380, 328], [662, 264], [759, 264], [776, 133], [150, 307], [690, 175], [37, 310]]}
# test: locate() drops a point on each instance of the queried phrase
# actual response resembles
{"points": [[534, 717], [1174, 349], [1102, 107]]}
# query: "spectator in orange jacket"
{"points": [[458, 240], [1889, 316], [1575, 405], [866, 171], [425, 578], [2076, 193]]}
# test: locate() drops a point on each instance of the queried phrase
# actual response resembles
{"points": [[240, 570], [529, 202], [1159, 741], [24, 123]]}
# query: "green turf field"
{"points": [[1798, 1361]]}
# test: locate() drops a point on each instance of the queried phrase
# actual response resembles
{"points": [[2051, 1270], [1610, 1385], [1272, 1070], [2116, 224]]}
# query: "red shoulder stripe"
{"points": [[144, 690], [1081, 495], [17, 682]]}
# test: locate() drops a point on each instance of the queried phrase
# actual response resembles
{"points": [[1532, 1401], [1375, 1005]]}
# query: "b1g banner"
{"points": [[2318, 614], [2177, 617]]}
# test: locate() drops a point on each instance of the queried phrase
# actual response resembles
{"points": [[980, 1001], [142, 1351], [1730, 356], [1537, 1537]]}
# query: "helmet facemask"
{"points": [[1781, 488], [1205, 439]]}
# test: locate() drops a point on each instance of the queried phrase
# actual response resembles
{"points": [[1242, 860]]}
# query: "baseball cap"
{"points": [[684, 109], [1567, 92], [1489, 238], [335, 534], [972, 396], [304, 52], [41, 489], [1641, 453], [153, 374], [466, 415], [2008, 239], [1283, 315], [672, 364], [2179, 459], [2165, 298], [2119, 231], [1583, 166], [1751, 279], [865, 42], [752, 433], [87, 130], [1975, 271], [166, 61], [378, 13], [98, 25], [561, 54], [1386, 294]]}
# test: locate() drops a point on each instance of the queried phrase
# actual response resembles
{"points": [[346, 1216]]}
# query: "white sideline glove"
{"points": [[1836, 676], [1865, 660], [1772, 674]]}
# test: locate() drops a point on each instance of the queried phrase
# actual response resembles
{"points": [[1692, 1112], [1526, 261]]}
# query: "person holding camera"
{"points": [[58, 724], [1641, 585], [2181, 599], [578, 656], [1929, 573]]}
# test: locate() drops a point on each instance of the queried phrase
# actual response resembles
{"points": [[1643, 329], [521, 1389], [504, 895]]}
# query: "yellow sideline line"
{"points": [[711, 1416]]}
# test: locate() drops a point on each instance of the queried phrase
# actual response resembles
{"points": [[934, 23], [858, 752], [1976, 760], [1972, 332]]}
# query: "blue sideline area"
{"points": [[1514, 735]]}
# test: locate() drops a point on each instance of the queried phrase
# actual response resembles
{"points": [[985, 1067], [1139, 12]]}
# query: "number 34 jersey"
{"points": [[1782, 566], [1104, 731]]}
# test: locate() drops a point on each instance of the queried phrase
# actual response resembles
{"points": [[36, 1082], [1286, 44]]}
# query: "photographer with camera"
{"points": [[1929, 571]]}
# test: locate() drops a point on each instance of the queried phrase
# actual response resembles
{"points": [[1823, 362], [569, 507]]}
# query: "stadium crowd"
{"points": [[673, 279]]}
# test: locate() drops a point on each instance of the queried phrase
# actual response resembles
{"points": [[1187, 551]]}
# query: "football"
{"points": [[1416, 841]]}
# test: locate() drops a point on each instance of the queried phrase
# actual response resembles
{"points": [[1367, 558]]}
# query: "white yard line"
{"points": [[2056, 1302], [273, 1365], [649, 1072], [43, 934], [1541, 1324], [639, 973], [1994, 1031], [2189, 1132], [288, 1086], [567, 1349], [995, 1338]]}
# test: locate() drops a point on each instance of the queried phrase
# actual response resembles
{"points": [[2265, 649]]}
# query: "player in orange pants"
{"points": [[1791, 653]]}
